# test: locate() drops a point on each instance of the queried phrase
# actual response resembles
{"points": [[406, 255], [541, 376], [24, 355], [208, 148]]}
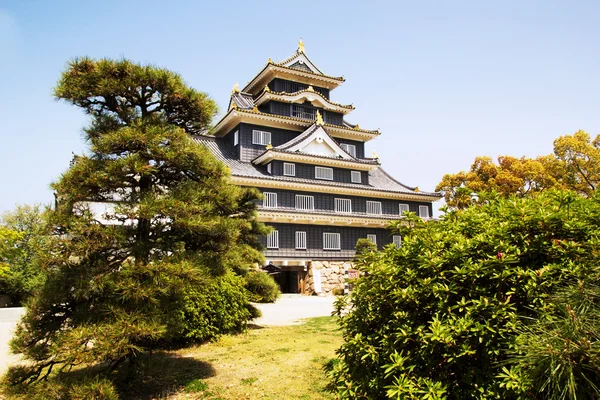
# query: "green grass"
{"points": [[279, 363]]}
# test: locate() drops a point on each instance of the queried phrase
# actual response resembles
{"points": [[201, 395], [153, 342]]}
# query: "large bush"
{"points": [[262, 287], [447, 314], [216, 306]]}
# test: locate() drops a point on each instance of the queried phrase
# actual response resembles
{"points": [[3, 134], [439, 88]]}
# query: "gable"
{"points": [[300, 61], [320, 143]]}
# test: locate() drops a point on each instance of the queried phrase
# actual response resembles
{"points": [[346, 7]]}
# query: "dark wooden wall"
{"points": [[307, 171], [326, 202], [314, 241]]}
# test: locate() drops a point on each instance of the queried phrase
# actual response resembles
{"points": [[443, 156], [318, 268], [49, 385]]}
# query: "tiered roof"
{"points": [[316, 145]]}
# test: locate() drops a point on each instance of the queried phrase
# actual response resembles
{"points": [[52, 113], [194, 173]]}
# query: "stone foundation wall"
{"points": [[332, 275]]}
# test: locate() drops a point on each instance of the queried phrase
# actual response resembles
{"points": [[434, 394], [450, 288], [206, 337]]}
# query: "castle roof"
{"points": [[256, 175]]}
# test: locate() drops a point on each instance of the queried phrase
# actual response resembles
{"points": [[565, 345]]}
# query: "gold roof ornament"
{"points": [[375, 156], [416, 189], [236, 88], [233, 105], [269, 146], [356, 127], [300, 46], [270, 60], [267, 89], [319, 119], [255, 108], [310, 88]]}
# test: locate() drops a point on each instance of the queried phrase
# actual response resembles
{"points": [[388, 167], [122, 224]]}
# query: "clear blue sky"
{"points": [[444, 81]]}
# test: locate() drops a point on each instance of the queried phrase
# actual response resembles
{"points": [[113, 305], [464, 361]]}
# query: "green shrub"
{"points": [[364, 246], [217, 306], [444, 315], [262, 287]]}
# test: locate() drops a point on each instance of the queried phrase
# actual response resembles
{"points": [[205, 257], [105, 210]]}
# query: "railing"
{"points": [[304, 112]]}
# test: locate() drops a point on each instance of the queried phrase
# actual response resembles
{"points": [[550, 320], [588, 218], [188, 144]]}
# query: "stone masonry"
{"points": [[332, 276]]}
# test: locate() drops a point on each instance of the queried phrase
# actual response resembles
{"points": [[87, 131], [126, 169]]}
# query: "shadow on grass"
{"points": [[152, 376], [161, 375], [252, 327]]}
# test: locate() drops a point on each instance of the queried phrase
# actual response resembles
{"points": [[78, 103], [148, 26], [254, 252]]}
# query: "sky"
{"points": [[444, 81]]}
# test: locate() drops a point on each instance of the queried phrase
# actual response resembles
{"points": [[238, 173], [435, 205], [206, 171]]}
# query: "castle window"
{"points": [[236, 138], [273, 240], [289, 169], [343, 205], [372, 238], [373, 207], [305, 202], [331, 241], [423, 211], [403, 208], [300, 240], [324, 173], [261, 137], [269, 168], [355, 177], [303, 112], [397, 240], [349, 148], [270, 200]]}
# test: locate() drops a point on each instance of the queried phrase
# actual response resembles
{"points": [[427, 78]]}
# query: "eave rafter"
{"points": [[272, 70], [236, 116], [309, 95], [327, 187], [320, 219], [273, 154]]}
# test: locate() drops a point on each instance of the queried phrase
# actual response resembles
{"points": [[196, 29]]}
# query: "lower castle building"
{"points": [[283, 135]]}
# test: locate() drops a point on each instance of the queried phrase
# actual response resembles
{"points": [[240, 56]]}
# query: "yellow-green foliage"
{"points": [[443, 316]]}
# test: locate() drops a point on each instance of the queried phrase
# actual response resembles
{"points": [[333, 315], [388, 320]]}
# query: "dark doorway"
{"points": [[288, 281]]}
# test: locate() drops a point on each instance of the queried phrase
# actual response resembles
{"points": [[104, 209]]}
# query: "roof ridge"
{"points": [[349, 106]]}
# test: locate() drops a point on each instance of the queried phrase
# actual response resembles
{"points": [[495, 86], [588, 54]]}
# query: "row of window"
{"points": [[307, 202], [331, 241], [324, 173]]}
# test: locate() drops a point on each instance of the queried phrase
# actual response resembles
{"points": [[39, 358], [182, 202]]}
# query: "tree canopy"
{"points": [[114, 278], [574, 165], [24, 275]]}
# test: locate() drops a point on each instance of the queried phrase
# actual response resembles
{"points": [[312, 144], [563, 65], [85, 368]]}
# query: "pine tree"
{"points": [[112, 280]]}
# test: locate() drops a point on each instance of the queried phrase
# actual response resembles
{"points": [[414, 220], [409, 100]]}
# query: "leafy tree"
{"points": [[113, 279], [574, 165], [26, 275], [9, 252], [448, 314], [577, 162], [511, 176]]}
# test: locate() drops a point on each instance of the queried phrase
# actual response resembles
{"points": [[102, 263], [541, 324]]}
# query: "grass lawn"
{"points": [[265, 363], [283, 362]]}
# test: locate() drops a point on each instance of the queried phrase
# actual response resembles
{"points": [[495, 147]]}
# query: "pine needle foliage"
{"points": [[497, 301], [113, 278]]}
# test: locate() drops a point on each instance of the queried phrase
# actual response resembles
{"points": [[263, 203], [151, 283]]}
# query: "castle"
{"points": [[284, 135]]}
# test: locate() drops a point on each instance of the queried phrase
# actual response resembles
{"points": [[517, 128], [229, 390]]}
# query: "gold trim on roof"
{"points": [[342, 131], [236, 89], [319, 119], [308, 90], [331, 81], [300, 46], [269, 156]]}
